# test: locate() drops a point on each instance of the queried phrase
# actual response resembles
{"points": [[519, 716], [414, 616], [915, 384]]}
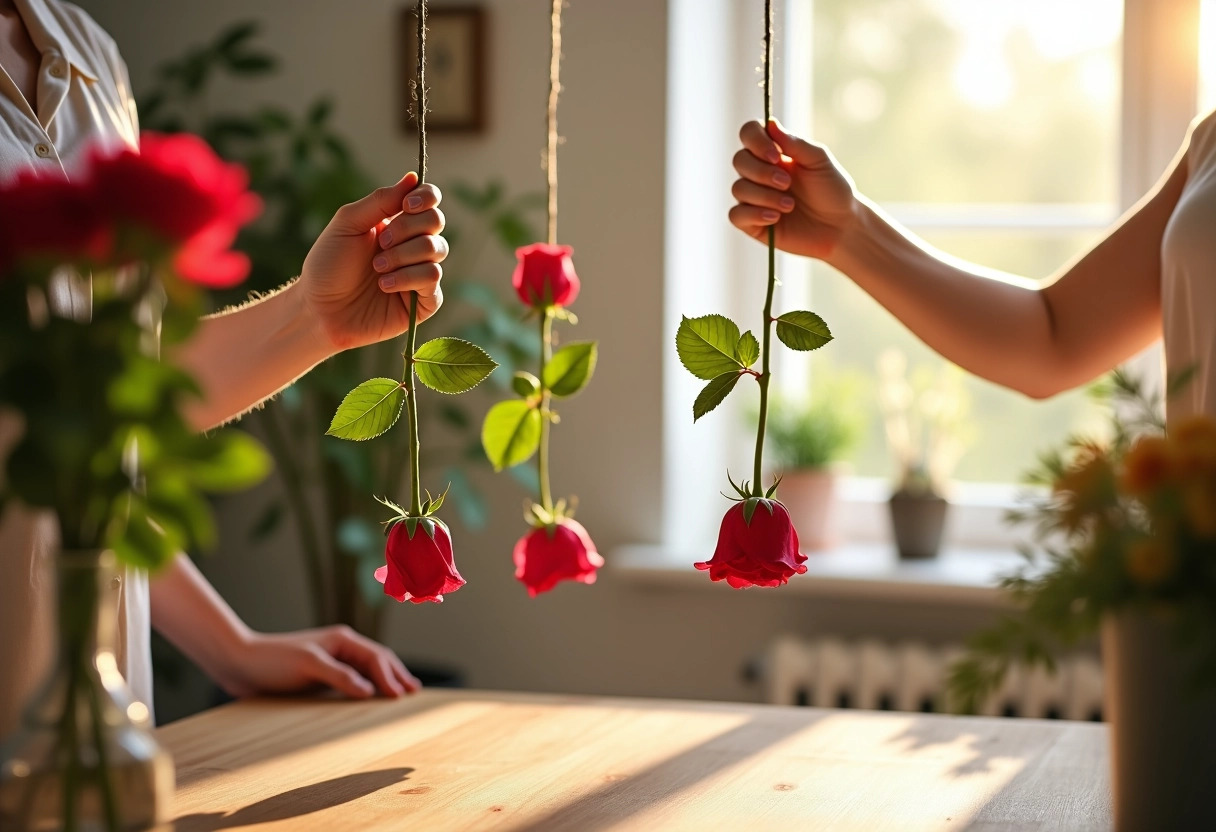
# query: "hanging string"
{"points": [[411, 403], [420, 91], [772, 258], [555, 88]]}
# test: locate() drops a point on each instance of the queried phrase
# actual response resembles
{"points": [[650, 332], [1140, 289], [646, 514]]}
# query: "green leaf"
{"points": [[319, 111], [713, 393], [511, 433], [803, 331], [234, 461], [236, 35], [570, 368], [252, 63], [708, 346], [369, 410], [525, 384], [450, 365], [267, 523], [749, 349]]}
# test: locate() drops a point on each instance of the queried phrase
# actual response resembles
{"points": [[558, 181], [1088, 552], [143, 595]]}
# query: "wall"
{"points": [[615, 637]]}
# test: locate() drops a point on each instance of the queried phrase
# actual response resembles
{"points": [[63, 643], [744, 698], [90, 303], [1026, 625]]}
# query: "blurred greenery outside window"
{"points": [[994, 131]]}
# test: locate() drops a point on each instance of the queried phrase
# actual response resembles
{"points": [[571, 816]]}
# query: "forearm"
{"points": [[188, 611], [243, 356]]}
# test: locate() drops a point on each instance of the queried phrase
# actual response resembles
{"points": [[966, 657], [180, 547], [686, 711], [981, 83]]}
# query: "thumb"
{"points": [[341, 677], [383, 203], [805, 154]]}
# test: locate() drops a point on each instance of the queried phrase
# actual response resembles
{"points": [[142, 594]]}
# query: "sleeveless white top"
{"points": [[84, 97], [1188, 278]]}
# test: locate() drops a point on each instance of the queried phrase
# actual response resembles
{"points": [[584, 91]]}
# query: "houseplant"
{"points": [[807, 440], [1125, 529], [925, 416]]}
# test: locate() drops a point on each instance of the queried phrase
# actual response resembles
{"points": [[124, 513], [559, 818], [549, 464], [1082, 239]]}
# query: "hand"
{"points": [[332, 657], [374, 252], [794, 185]]}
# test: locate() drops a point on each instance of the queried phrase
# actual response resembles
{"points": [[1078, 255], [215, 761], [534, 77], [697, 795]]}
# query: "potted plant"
{"points": [[926, 426], [1126, 533], [807, 441]]}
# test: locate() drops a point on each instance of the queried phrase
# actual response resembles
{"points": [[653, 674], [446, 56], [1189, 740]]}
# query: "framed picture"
{"points": [[455, 69]]}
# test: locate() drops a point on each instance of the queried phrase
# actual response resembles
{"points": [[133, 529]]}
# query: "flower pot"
{"points": [[84, 757], [917, 523], [1162, 726], [810, 496]]}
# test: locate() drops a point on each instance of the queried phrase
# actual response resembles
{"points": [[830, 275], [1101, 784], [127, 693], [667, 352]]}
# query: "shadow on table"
{"points": [[297, 802], [611, 805]]}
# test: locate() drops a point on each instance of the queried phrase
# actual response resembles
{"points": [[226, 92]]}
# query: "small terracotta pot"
{"points": [[917, 522], [810, 496], [1162, 725]]}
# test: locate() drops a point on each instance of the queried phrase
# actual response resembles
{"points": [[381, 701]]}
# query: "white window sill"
{"points": [[871, 571]]}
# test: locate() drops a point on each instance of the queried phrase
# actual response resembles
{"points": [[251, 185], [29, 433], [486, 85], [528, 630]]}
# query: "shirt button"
{"points": [[116, 582], [42, 150], [57, 71]]}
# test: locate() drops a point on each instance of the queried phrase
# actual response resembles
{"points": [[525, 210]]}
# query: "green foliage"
{"points": [[452, 365], [714, 393], [369, 410], [525, 384], [803, 331], [708, 346], [570, 368], [511, 433], [816, 433], [748, 349]]}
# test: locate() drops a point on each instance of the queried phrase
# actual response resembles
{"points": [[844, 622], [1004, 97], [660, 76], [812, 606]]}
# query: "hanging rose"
{"points": [[48, 218], [544, 276], [550, 554], [418, 560], [757, 546]]}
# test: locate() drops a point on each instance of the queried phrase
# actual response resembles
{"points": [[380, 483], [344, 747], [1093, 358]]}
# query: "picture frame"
{"points": [[455, 71]]}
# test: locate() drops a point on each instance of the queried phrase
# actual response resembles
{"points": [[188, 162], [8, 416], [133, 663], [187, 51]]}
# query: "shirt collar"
{"points": [[48, 35]]}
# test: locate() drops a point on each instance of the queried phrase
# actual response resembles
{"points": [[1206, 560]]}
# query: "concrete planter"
{"points": [[917, 524], [810, 496]]}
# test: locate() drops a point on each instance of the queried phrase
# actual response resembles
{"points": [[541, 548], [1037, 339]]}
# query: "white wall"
{"points": [[613, 637]]}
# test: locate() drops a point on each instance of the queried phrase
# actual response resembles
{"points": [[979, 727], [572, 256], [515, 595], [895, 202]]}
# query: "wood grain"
{"points": [[462, 760]]}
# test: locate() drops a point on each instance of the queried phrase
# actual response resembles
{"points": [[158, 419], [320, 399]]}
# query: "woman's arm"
{"points": [[1099, 310]]}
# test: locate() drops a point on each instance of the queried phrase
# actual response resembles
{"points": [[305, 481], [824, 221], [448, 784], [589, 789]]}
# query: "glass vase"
{"points": [[83, 758]]}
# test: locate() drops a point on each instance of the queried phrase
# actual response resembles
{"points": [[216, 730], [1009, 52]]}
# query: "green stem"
{"points": [[411, 407], [765, 375], [109, 802], [71, 757], [542, 455]]}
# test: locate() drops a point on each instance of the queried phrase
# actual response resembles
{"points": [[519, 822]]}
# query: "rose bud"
{"points": [[762, 552], [545, 275], [419, 567], [550, 554]]}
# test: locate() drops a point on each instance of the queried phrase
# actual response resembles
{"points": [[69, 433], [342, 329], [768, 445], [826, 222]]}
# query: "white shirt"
{"points": [[1188, 275], [84, 99]]}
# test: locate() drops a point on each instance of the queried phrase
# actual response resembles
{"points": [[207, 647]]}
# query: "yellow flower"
{"points": [[1194, 440], [1148, 465], [1151, 562]]}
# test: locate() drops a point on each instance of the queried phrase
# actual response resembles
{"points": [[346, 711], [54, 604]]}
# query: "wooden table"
{"points": [[462, 760]]}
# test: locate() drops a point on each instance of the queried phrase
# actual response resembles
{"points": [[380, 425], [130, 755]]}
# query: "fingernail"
{"points": [[770, 216], [787, 202], [380, 263], [388, 282], [414, 202], [386, 239], [781, 179]]}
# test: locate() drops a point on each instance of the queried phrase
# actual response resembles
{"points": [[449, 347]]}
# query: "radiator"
{"points": [[911, 676]]}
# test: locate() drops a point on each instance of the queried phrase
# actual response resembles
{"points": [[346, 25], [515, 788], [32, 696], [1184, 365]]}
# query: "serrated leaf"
{"points": [[510, 434], [708, 346], [525, 384], [570, 368], [713, 393], [451, 365], [369, 410], [803, 330], [748, 349]]}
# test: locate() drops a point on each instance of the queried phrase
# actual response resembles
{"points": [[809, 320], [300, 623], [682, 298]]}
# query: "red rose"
{"points": [[419, 568], [761, 553], [177, 189], [545, 275], [46, 216], [550, 554]]}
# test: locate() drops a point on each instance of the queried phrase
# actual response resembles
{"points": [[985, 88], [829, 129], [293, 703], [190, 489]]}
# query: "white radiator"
{"points": [[911, 676]]}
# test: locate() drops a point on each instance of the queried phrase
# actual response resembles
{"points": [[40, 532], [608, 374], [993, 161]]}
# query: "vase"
{"points": [[1162, 725], [83, 758], [917, 523], [810, 496]]}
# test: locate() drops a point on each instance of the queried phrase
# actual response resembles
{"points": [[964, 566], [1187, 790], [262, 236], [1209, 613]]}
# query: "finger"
{"points": [[749, 193], [759, 143], [753, 220], [805, 154], [422, 198], [340, 676], [429, 305], [762, 173], [371, 659], [422, 278], [408, 680], [360, 216], [407, 226], [428, 248]]}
